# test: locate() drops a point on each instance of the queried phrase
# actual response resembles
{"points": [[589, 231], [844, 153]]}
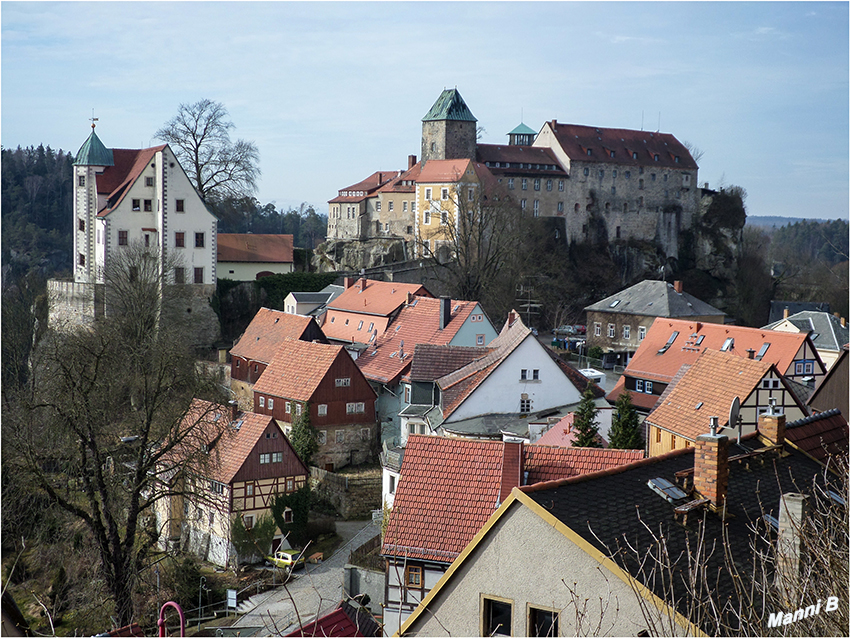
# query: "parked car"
{"points": [[582, 330], [566, 329], [287, 558]]}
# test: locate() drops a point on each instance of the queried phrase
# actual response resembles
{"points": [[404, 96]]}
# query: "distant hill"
{"points": [[779, 222]]}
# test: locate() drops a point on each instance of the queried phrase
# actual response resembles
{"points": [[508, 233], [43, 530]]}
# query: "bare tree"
{"points": [[102, 417], [219, 168]]}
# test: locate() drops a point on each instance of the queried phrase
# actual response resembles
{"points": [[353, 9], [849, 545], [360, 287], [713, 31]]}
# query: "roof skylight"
{"points": [[667, 490]]}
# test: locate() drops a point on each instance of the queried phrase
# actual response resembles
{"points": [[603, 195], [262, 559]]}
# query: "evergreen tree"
{"points": [[294, 527], [304, 437], [625, 425], [585, 420]]}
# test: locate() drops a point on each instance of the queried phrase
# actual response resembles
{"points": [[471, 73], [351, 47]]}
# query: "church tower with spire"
{"points": [[449, 129]]}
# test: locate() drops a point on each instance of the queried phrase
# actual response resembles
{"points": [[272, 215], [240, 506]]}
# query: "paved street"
{"points": [[315, 590]]}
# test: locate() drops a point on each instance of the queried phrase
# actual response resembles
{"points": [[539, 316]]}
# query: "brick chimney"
{"points": [[362, 284], [677, 286], [411, 161], [771, 424], [445, 311], [751, 353], [512, 466], [785, 313], [234, 410], [793, 509], [349, 281], [711, 466]]}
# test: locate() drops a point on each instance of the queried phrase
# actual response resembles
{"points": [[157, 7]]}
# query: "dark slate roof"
{"points": [[655, 299], [312, 297], [449, 106], [827, 331], [777, 308], [615, 508], [94, 153], [820, 435], [432, 361]]}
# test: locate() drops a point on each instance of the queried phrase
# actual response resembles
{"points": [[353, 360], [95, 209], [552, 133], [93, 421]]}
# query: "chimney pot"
{"points": [[411, 161], [711, 466], [785, 313], [751, 354], [677, 286], [362, 284], [771, 424], [234, 410]]}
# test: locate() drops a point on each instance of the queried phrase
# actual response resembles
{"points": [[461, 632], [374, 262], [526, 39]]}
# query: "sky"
{"points": [[331, 92]]}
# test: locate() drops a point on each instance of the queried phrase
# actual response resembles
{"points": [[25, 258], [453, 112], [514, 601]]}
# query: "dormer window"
{"points": [[727, 345], [589, 152]]}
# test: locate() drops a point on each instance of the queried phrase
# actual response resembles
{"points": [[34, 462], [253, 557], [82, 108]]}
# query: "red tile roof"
{"points": [[443, 171], [255, 248], [450, 487], [711, 383], [648, 363], [561, 434], [266, 332], [820, 435], [115, 180], [514, 155], [345, 620], [234, 448], [576, 140], [416, 323], [367, 186], [297, 368], [398, 186]]}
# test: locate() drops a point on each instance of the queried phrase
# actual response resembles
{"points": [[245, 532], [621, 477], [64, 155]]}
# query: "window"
{"points": [[427, 216], [122, 237], [264, 459], [323, 437], [730, 341], [179, 240], [343, 382], [560, 207], [639, 385], [510, 183], [535, 375], [548, 184], [298, 409], [641, 333], [249, 489], [392, 484], [277, 457], [648, 387], [652, 177], [290, 484], [149, 181], [542, 622], [524, 406], [323, 409], [537, 184], [444, 218], [612, 330], [522, 203], [627, 330], [288, 408], [601, 174], [523, 375], [81, 180], [360, 325], [340, 436], [672, 441], [364, 434], [640, 184], [561, 185], [597, 329], [137, 204], [479, 340], [262, 402], [148, 205], [271, 403], [413, 576], [199, 240], [180, 278], [81, 224], [537, 208], [81, 259], [378, 206], [199, 275], [496, 617], [657, 435], [617, 232], [444, 194], [524, 184], [178, 206], [470, 194], [427, 193], [390, 206]]}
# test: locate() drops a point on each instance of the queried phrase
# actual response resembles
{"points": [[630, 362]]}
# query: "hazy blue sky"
{"points": [[331, 92]]}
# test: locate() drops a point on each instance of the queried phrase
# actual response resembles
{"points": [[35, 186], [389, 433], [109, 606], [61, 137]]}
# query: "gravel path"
{"points": [[316, 589]]}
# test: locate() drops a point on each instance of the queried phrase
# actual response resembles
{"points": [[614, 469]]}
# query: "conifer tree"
{"points": [[304, 437], [585, 421], [625, 425]]}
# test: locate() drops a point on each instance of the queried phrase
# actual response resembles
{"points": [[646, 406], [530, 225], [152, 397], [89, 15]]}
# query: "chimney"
{"points": [[793, 509], [785, 313], [711, 466], [362, 283], [234, 410], [411, 161], [843, 322], [677, 286], [771, 424], [349, 281], [751, 353], [705, 186], [512, 317], [409, 297], [445, 311], [512, 468]]}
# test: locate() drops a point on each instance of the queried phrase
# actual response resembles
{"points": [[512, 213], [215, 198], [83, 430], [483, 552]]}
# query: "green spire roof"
{"points": [[449, 106], [522, 129], [94, 153]]}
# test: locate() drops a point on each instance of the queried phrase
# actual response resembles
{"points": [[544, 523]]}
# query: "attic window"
{"points": [[456, 308], [614, 303], [276, 319], [669, 343], [666, 490], [699, 339], [699, 405], [730, 341], [762, 351]]}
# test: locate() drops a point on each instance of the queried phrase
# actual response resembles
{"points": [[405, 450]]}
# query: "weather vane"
{"points": [[93, 118]]}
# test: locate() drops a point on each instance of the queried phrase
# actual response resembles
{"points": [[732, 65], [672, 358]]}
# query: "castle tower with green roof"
{"points": [[449, 129]]}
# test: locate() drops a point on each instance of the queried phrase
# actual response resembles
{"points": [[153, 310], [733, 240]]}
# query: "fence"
{"points": [[368, 555]]}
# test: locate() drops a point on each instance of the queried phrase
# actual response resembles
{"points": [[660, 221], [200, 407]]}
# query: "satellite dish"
{"points": [[734, 409]]}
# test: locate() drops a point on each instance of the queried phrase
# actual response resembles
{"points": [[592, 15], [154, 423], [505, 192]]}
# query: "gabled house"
{"points": [[448, 490], [583, 555], [782, 309], [324, 383], [422, 320], [833, 391], [254, 349], [366, 308], [312, 304], [706, 389], [618, 323], [348, 212], [246, 257], [250, 462], [672, 343], [828, 332]]}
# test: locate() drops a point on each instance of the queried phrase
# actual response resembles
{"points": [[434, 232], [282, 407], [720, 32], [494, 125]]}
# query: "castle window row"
{"points": [[539, 167]]}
